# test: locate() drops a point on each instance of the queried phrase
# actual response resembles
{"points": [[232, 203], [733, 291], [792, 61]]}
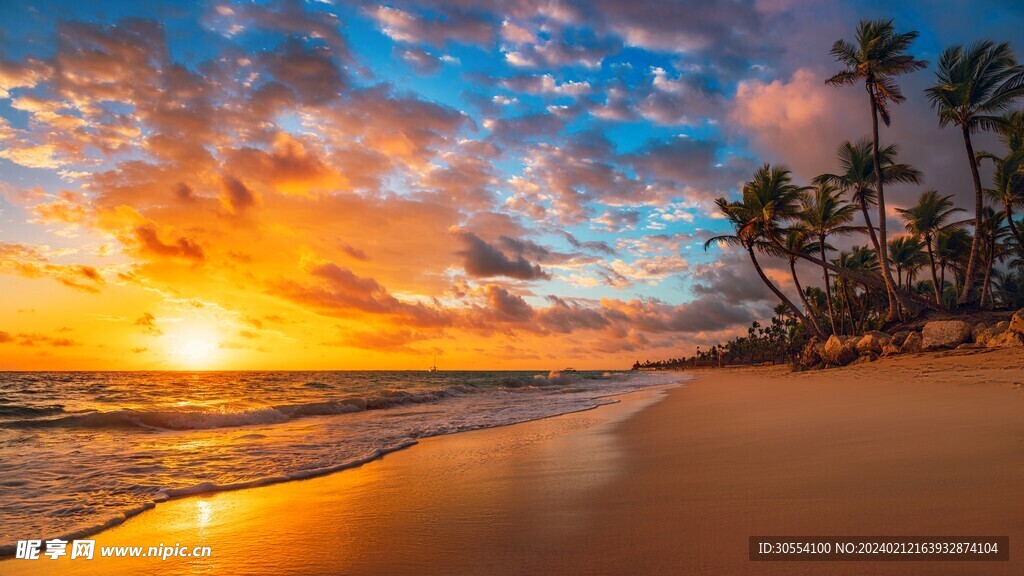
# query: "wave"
{"points": [[29, 411], [207, 419], [209, 487]]}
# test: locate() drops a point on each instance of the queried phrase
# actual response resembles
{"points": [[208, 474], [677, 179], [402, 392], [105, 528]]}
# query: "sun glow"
{"points": [[195, 347]]}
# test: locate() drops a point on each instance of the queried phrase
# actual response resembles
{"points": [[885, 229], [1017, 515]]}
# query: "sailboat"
{"points": [[434, 367]]}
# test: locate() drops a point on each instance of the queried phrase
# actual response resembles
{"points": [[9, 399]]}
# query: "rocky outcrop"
{"points": [[945, 334], [939, 334], [872, 342], [811, 356], [899, 337], [1004, 334], [838, 352], [1007, 339], [911, 344], [1017, 322]]}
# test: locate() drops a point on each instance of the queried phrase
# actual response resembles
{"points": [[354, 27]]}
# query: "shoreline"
{"points": [[7, 551], [664, 481]]}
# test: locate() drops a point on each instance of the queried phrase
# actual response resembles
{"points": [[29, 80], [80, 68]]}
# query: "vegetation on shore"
{"points": [[949, 259]]}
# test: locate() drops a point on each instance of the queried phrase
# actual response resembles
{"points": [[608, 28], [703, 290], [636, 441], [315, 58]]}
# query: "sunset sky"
{"points": [[346, 185]]}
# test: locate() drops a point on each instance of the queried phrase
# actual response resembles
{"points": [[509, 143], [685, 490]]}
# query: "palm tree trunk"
{"points": [[972, 260], [803, 298], [849, 308], [828, 288], [935, 279], [883, 257], [778, 293], [988, 270]]}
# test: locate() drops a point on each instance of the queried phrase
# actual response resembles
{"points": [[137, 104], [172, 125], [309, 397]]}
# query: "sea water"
{"points": [[80, 451]]}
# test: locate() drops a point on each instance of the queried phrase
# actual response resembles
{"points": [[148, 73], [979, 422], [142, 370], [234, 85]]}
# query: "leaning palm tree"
{"points": [[749, 236], [876, 57], [777, 200], [975, 84], [824, 214], [925, 220], [797, 242]]}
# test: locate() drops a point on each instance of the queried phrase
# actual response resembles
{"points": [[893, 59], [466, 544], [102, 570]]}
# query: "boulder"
{"points": [[889, 350], [899, 337], [811, 355], [1007, 339], [869, 344], [839, 353], [978, 330], [1000, 328], [945, 334], [982, 337], [883, 338], [969, 346], [912, 343], [1017, 322], [860, 360]]}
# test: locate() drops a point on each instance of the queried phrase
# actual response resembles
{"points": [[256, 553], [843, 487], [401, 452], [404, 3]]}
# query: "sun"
{"points": [[195, 347]]}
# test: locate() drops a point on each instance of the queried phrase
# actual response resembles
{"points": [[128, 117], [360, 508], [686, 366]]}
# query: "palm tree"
{"points": [[994, 232], [951, 244], [1011, 130], [925, 220], [775, 200], [856, 160], [973, 85], [1008, 188], [824, 214], [907, 255], [865, 260], [797, 242], [876, 57], [749, 236]]}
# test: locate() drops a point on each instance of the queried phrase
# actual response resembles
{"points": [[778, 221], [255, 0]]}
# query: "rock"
{"points": [[839, 353], [979, 329], [883, 338], [945, 334], [811, 355], [969, 346], [899, 337], [1007, 339], [889, 350], [912, 343], [1017, 322], [869, 344], [982, 338]]}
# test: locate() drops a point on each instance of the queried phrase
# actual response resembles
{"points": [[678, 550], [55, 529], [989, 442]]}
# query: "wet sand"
{"points": [[661, 483]]}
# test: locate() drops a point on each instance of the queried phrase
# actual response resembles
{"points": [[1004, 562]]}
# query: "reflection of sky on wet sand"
{"points": [[406, 512]]}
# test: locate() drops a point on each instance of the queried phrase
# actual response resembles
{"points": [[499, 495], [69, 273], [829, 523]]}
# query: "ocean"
{"points": [[80, 451]]}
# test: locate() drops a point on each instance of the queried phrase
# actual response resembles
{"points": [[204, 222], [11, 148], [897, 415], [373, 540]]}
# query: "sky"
{"points": [[518, 184]]}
